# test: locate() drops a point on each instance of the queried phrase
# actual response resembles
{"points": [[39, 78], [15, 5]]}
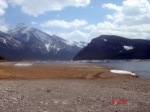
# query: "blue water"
{"points": [[141, 68]]}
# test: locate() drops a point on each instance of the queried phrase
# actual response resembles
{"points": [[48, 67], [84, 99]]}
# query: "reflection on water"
{"points": [[142, 68]]}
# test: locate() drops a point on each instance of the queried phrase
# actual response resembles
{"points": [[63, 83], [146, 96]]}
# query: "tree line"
{"points": [[1, 58]]}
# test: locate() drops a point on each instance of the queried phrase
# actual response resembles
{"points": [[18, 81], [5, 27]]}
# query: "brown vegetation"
{"points": [[58, 72]]}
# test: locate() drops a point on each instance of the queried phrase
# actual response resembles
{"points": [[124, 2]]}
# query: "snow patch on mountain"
{"points": [[4, 41], [105, 40], [75, 43], [20, 26], [80, 44], [128, 47], [25, 30], [36, 41], [42, 36], [70, 43], [47, 46]]}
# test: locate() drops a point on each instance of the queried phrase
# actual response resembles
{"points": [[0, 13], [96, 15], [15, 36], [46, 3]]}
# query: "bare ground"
{"points": [[8, 71], [70, 89]]}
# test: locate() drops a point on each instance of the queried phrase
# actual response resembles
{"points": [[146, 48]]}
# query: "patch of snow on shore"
{"points": [[122, 72], [23, 64]]}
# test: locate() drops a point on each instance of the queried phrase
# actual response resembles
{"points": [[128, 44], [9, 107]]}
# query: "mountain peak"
{"points": [[19, 28]]}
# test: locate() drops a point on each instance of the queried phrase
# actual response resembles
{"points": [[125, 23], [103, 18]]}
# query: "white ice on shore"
{"points": [[23, 64], [122, 72]]}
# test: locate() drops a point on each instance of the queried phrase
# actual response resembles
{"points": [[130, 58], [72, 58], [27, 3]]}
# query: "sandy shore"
{"points": [[70, 89], [9, 71]]}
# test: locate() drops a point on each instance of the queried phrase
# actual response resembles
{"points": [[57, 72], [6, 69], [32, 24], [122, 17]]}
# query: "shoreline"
{"points": [[13, 70], [139, 72]]}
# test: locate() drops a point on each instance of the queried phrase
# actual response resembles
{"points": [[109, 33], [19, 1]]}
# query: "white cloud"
{"points": [[74, 36], [131, 12], [3, 6], [63, 24], [3, 26], [38, 7], [112, 6], [131, 20], [74, 26]]}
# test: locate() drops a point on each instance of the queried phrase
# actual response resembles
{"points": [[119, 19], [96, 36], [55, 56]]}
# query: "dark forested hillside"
{"points": [[115, 47], [1, 58]]}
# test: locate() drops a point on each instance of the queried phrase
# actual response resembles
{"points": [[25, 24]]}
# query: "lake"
{"points": [[141, 68]]}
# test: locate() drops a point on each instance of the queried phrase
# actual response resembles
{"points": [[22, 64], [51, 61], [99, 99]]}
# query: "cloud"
{"points": [[63, 24], [75, 35], [131, 20], [3, 25], [103, 26], [3, 6], [112, 6], [38, 7], [131, 13]]}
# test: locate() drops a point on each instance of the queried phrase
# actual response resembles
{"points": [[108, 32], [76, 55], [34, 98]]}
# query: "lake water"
{"points": [[141, 68]]}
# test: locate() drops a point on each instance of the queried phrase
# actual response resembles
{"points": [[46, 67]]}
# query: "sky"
{"points": [[79, 20]]}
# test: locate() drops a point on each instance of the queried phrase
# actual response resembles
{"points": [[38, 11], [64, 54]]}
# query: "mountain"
{"points": [[115, 47], [27, 43], [8, 45]]}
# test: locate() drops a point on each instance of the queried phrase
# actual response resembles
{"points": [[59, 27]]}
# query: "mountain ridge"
{"points": [[33, 43], [115, 47]]}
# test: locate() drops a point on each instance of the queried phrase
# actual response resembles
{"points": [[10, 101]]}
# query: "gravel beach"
{"points": [[63, 95], [93, 92]]}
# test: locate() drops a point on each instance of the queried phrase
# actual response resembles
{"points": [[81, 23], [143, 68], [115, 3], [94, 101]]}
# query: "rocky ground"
{"points": [[74, 95], [70, 89]]}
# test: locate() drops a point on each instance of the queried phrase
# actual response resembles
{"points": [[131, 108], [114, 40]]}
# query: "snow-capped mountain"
{"points": [[9, 46], [115, 47], [32, 43], [7, 41]]}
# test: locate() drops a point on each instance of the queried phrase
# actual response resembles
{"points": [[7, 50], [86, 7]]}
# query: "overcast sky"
{"points": [[79, 20]]}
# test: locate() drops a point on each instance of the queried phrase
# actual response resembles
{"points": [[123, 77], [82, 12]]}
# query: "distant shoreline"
{"points": [[78, 60]]}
